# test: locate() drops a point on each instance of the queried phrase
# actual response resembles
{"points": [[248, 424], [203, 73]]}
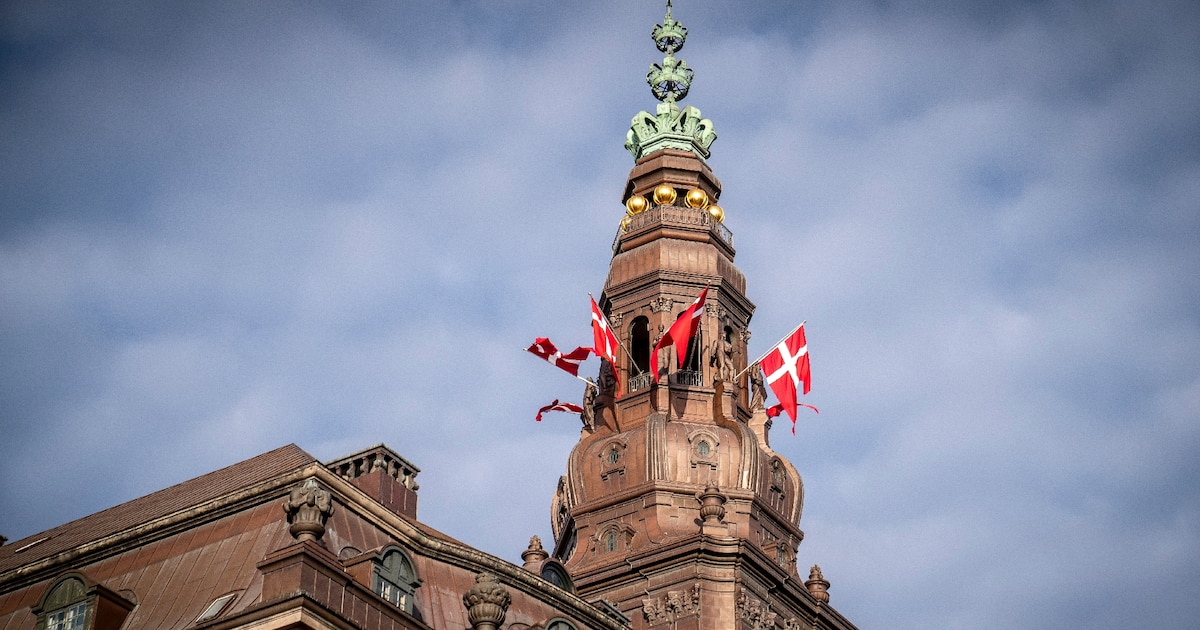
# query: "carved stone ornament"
{"points": [[817, 585], [662, 305], [487, 602], [754, 611], [308, 508], [535, 554], [674, 605], [712, 505]]}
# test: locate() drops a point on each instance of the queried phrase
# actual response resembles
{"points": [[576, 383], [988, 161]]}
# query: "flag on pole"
{"points": [[569, 362], [681, 332], [785, 368], [604, 342], [557, 406]]}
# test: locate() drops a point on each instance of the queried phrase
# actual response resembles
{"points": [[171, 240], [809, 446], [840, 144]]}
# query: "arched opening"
{"points": [[639, 337]]}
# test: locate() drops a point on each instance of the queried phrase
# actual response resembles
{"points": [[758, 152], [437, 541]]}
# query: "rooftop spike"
{"points": [[669, 81]]}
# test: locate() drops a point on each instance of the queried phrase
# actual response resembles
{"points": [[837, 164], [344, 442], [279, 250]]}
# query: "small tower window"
{"points": [[639, 334], [703, 448], [395, 579], [610, 541], [614, 455]]}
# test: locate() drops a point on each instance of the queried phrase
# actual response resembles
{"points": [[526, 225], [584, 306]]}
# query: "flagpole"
{"points": [[764, 355]]}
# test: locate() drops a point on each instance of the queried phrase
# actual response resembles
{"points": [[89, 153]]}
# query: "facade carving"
{"points": [[672, 606], [756, 613], [308, 507]]}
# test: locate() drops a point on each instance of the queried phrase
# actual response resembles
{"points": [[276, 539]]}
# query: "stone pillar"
{"points": [[486, 602]]}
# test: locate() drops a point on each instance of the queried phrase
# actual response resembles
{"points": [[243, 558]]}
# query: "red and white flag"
{"points": [[785, 367], [775, 410], [557, 406], [681, 332], [569, 362], [604, 342]]}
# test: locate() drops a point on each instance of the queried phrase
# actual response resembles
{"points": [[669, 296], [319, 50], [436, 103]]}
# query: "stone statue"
{"points": [[758, 391], [588, 415], [722, 357]]}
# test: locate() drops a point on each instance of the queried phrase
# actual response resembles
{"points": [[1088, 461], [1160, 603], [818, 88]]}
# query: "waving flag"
{"points": [[681, 332], [557, 406], [605, 342], [775, 410], [786, 367], [569, 362]]}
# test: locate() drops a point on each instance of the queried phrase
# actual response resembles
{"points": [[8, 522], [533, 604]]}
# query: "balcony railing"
{"points": [[640, 382], [688, 377], [678, 216]]}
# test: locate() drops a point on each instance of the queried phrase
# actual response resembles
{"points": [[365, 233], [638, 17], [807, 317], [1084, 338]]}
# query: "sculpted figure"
{"points": [[588, 415], [758, 391]]}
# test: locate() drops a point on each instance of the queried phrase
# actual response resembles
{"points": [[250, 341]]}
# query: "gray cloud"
{"points": [[228, 227]]}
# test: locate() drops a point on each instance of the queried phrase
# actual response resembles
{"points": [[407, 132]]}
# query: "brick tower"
{"points": [[674, 508]]}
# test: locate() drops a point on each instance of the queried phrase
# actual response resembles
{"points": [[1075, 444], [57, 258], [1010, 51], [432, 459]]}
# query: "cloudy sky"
{"points": [[225, 227]]}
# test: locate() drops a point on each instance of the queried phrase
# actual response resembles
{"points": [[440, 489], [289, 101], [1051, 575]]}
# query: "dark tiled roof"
{"points": [[155, 505]]}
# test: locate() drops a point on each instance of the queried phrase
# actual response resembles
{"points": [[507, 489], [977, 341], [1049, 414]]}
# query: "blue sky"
{"points": [[225, 227]]}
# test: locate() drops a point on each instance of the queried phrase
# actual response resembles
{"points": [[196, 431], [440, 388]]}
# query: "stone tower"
{"points": [[674, 508]]}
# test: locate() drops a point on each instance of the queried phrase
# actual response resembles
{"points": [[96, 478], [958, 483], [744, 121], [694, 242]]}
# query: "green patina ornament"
{"points": [[670, 126]]}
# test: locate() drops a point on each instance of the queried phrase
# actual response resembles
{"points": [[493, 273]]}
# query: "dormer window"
{"points": [[395, 579], [69, 603]]}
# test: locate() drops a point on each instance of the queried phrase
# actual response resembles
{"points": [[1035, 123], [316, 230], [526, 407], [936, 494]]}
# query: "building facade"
{"points": [[674, 511]]}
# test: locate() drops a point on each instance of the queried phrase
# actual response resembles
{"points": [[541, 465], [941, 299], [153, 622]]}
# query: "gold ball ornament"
{"points": [[625, 220], [664, 195], [717, 213], [696, 198], [636, 204]]}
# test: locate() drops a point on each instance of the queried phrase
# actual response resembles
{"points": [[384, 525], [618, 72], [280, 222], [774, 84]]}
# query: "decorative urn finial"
{"points": [[487, 602], [535, 555], [670, 126], [817, 585], [308, 507]]}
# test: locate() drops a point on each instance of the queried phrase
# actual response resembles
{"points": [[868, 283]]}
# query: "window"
{"points": [[70, 618], [554, 573], [639, 337], [65, 606], [703, 448], [216, 607], [610, 541], [560, 624], [73, 602], [395, 579]]}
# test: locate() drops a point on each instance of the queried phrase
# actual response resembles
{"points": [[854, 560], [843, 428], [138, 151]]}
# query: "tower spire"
{"points": [[670, 127]]}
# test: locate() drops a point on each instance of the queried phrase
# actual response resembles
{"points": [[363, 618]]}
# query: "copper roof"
{"points": [[147, 508]]}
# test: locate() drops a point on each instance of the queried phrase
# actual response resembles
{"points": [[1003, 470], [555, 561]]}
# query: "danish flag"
{"points": [[604, 342], [543, 348], [557, 406], [681, 332], [785, 368]]}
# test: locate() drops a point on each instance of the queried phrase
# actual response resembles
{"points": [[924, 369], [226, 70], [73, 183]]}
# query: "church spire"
{"points": [[670, 127]]}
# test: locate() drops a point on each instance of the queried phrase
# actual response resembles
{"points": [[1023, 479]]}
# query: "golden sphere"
{"points": [[637, 204], [696, 198], [717, 213], [664, 195], [625, 223]]}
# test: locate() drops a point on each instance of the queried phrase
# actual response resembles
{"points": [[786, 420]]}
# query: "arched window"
{"points": [[74, 602], [691, 361], [554, 573], [639, 339], [65, 606], [396, 579], [560, 624]]}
